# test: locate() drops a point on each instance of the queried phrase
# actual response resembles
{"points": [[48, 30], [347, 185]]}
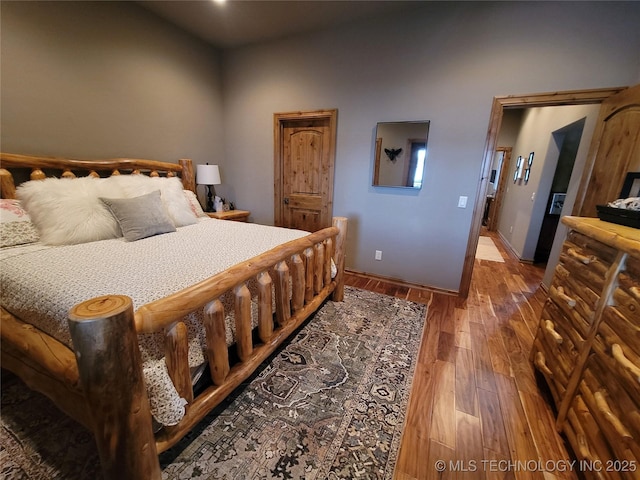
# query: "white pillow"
{"points": [[68, 210], [171, 191], [196, 208]]}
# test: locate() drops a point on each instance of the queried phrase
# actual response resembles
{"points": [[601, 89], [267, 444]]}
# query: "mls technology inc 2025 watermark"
{"points": [[535, 465]]}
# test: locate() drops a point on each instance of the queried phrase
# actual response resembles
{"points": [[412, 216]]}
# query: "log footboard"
{"points": [[109, 364]]}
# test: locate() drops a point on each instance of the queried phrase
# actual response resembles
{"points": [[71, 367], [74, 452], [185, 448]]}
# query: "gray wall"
{"points": [[106, 79], [110, 79], [443, 62]]}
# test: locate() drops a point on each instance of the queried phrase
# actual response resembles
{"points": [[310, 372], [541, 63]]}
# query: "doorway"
{"points": [[566, 142], [497, 187], [305, 144], [415, 168], [580, 97], [546, 142]]}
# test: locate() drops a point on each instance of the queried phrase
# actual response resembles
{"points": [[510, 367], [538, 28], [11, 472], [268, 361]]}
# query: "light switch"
{"points": [[462, 202]]}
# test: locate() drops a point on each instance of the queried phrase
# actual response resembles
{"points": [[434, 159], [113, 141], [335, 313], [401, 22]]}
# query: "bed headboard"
{"points": [[11, 164]]}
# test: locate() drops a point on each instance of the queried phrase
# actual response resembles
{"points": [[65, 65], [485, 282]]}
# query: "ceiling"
{"points": [[236, 23]]}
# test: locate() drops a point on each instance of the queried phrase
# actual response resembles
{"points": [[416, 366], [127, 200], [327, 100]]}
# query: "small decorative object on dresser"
{"points": [[631, 186], [235, 215], [587, 344], [626, 209]]}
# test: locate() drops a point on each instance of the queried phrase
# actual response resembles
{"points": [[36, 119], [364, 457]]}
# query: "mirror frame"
{"points": [[405, 151]]}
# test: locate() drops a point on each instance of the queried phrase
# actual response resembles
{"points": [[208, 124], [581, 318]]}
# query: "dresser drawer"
{"points": [[560, 345], [588, 443], [615, 412], [617, 342], [616, 348], [582, 272], [622, 314], [626, 305], [572, 329], [582, 297], [569, 305], [580, 251], [548, 365]]}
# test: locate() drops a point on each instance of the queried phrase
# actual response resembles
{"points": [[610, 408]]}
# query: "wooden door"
{"points": [[496, 205], [304, 164], [614, 151]]}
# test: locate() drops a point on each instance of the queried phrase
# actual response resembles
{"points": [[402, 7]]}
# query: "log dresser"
{"points": [[587, 346]]}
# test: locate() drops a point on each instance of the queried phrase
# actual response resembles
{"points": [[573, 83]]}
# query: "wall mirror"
{"points": [[400, 153]]}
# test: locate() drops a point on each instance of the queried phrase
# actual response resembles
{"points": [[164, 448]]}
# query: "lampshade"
{"points": [[208, 175]]}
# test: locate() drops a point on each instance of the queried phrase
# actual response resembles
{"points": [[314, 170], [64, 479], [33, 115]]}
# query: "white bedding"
{"points": [[40, 284]]}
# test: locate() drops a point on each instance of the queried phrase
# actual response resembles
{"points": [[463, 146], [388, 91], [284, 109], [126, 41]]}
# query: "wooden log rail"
{"points": [[292, 279], [155, 316], [67, 167]]}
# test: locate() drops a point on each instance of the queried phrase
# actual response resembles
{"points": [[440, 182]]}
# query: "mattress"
{"points": [[39, 284]]}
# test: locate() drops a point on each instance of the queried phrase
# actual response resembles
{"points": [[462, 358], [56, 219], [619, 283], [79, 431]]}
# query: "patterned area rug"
{"points": [[329, 404]]}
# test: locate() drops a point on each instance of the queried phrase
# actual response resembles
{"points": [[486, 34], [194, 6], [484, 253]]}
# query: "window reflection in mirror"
{"points": [[400, 154]]}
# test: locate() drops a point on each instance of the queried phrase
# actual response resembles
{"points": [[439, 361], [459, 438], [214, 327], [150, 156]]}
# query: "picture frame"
{"points": [[631, 185], [527, 171], [518, 171]]}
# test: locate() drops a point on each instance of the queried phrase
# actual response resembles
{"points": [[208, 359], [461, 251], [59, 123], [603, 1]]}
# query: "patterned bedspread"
{"points": [[40, 284]]}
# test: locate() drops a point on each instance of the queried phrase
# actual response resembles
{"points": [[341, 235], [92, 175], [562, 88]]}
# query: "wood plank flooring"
{"points": [[475, 404]]}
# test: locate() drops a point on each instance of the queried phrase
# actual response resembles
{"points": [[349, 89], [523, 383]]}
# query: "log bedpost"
{"points": [[7, 187], [106, 348], [188, 175], [339, 257]]}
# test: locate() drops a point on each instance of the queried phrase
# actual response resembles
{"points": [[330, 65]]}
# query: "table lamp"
{"points": [[208, 175]]}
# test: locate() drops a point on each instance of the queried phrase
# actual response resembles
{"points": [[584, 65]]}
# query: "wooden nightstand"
{"points": [[235, 215]]}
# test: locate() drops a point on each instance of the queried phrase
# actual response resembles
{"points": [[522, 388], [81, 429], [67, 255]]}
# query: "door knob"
{"points": [[286, 201]]}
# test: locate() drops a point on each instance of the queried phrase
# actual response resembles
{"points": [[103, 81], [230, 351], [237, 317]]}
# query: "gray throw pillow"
{"points": [[140, 217]]}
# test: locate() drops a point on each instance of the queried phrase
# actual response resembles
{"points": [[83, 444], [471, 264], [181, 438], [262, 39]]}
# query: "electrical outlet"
{"points": [[378, 255], [462, 202], [511, 229]]}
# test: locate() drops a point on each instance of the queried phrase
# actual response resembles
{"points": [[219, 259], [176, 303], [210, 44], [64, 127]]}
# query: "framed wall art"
{"points": [[631, 186]]}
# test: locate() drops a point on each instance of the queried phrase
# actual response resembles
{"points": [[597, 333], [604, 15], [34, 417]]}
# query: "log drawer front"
{"points": [[587, 346], [568, 313], [556, 348]]}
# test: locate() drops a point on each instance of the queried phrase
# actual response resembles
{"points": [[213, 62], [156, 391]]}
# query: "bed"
{"points": [[161, 322]]}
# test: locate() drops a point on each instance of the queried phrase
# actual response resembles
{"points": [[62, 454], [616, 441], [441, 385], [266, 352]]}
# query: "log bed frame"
{"points": [[103, 389]]}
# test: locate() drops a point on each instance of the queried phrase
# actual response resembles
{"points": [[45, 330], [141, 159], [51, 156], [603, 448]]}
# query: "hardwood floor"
{"points": [[475, 404]]}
